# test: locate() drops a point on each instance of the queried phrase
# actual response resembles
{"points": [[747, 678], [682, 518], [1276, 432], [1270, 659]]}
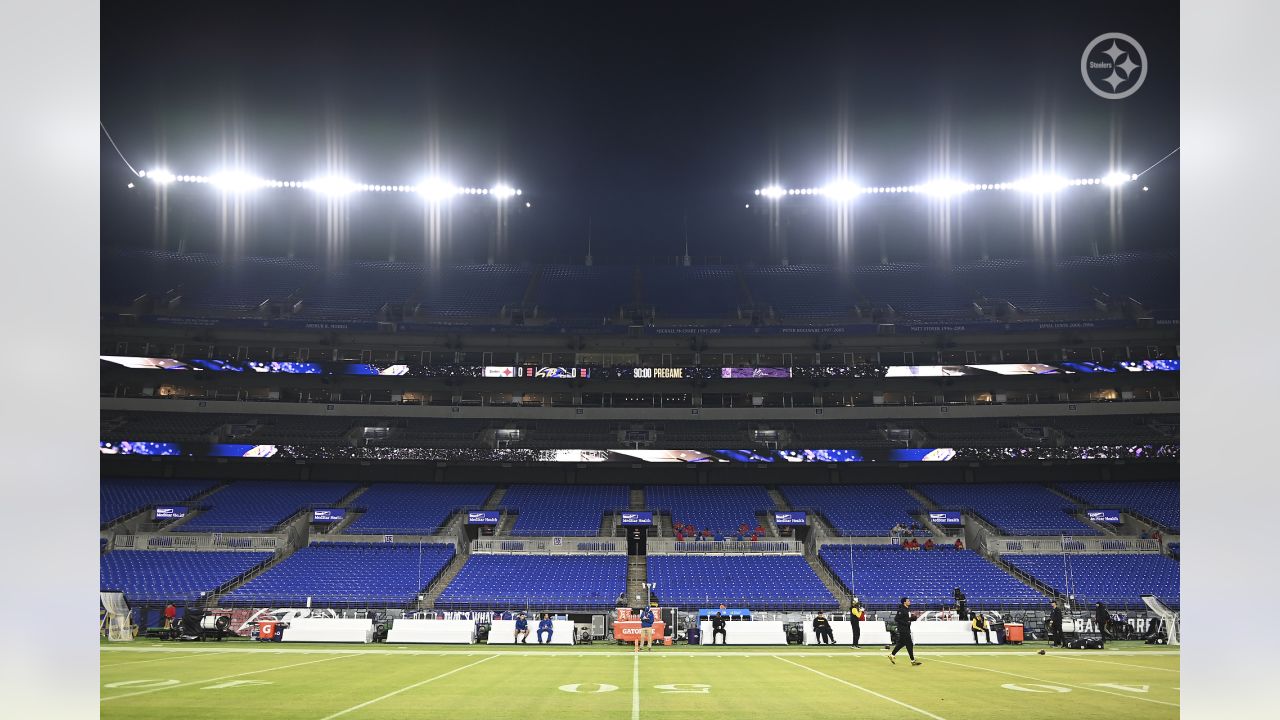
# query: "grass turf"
{"points": [[272, 681]]}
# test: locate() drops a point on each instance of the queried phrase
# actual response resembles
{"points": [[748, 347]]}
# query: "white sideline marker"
{"points": [[926, 713], [1057, 682], [1109, 662], [224, 677], [180, 657], [420, 683]]}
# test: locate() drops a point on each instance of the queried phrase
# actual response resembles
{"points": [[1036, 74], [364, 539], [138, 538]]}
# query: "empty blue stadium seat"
{"points": [[881, 574], [552, 581], [348, 574], [412, 508], [721, 508], [759, 582], [251, 506], [119, 497], [865, 510], [1115, 579], [178, 576], [1014, 508], [1156, 500], [563, 509]]}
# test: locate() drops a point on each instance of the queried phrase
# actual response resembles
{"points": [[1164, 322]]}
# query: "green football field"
{"points": [[239, 679]]}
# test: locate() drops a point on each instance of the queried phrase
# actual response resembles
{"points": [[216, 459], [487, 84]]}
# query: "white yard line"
{"points": [[393, 693], [160, 659], [635, 688], [859, 687], [1108, 662], [1055, 682], [224, 677]]}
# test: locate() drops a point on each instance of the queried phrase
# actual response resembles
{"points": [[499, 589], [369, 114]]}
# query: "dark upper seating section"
{"points": [[796, 294]]}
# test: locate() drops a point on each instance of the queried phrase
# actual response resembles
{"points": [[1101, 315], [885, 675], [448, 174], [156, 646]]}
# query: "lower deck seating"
{"points": [[177, 576], [1116, 579], [552, 581], [348, 574], [754, 581], [881, 574]]}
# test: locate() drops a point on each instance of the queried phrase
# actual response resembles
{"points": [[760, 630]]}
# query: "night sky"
{"points": [[631, 118]]}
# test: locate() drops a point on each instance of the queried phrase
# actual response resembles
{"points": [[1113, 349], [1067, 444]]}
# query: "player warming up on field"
{"points": [[545, 626], [903, 620], [646, 630], [522, 627]]}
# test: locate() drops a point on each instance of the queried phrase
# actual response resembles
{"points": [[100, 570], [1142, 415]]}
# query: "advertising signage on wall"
{"points": [[1104, 516], [863, 370], [792, 517], [169, 512], [483, 517], [326, 515], [637, 517], [945, 517]]}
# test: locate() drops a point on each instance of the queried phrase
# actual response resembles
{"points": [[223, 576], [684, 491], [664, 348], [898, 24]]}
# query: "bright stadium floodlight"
{"points": [[436, 190], [1117, 178], [841, 190], [235, 182], [162, 177], [1040, 184], [945, 188], [332, 185], [773, 192], [502, 192]]}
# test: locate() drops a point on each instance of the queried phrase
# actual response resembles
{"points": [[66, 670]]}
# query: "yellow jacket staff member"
{"points": [[979, 623]]}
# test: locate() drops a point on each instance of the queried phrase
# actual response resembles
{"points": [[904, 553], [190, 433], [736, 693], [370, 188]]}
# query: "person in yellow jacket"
{"points": [[979, 624], [856, 615]]}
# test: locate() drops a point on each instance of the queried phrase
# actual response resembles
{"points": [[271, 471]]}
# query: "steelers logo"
{"points": [[1113, 66]]}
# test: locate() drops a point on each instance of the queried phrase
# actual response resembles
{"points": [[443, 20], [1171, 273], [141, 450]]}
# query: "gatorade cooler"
{"points": [[1014, 632], [267, 630]]}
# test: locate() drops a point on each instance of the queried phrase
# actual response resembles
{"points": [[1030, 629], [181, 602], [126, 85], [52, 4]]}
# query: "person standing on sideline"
{"points": [[856, 615], [545, 626], [717, 626], [822, 628], [170, 613], [979, 624], [1055, 625], [646, 630], [522, 626], [903, 620], [1103, 617]]}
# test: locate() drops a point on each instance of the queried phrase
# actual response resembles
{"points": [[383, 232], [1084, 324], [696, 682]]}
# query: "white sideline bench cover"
{"points": [[748, 632], [432, 631], [872, 632], [329, 630]]}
